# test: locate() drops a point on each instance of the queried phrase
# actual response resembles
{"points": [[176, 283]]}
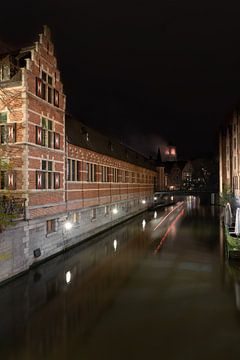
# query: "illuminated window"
{"points": [[51, 226], [45, 135], [73, 170], [91, 172], [46, 178]]}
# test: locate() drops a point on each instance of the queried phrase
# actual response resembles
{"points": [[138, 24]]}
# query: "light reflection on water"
{"points": [[116, 297]]}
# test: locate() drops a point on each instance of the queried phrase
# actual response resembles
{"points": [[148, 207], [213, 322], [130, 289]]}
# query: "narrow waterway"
{"points": [[157, 286]]}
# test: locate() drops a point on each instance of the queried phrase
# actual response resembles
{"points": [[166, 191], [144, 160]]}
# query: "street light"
{"points": [[143, 201]]}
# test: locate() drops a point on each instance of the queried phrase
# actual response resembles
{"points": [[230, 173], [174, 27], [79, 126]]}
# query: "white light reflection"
{"points": [[115, 244], [143, 224], [155, 198], [68, 277], [143, 201], [115, 211], [155, 215], [191, 202]]}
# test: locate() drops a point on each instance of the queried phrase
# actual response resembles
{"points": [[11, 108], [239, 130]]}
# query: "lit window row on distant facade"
{"points": [[76, 168]]}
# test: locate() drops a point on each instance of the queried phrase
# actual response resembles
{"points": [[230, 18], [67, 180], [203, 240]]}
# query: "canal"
{"points": [[156, 286]]}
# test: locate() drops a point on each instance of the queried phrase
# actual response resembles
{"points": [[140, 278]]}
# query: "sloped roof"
{"points": [[83, 136]]}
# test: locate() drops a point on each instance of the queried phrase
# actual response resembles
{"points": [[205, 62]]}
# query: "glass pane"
{"points": [[50, 137], [50, 180], [50, 125], [44, 165], [49, 95], [44, 123], [50, 166], [50, 80], [44, 76], [3, 117]]}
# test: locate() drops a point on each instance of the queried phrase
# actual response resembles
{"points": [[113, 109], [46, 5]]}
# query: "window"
{"points": [[46, 178], [91, 172], [76, 217], [104, 174], [94, 214], [3, 117], [7, 131], [115, 175], [73, 170], [234, 143], [133, 177], [51, 226], [235, 182], [45, 135], [7, 180], [4, 72], [45, 89]]}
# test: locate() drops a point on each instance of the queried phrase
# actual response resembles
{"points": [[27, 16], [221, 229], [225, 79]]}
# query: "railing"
{"points": [[14, 208]]}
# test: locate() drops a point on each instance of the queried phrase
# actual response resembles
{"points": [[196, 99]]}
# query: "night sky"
{"points": [[145, 71]]}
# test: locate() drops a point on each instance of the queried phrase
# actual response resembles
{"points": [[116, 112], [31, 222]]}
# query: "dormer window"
{"points": [[85, 133], [4, 72], [110, 145]]}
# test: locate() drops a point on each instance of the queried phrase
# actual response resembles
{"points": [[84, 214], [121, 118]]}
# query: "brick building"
{"points": [[63, 169]]}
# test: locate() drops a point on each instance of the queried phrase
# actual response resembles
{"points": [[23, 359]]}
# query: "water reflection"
{"points": [[130, 290]]}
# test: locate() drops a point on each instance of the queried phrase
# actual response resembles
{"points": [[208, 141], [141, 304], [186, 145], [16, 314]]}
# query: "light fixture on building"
{"points": [[143, 201], [171, 198], [68, 225], [68, 277], [115, 211], [155, 215], [155, 198]]}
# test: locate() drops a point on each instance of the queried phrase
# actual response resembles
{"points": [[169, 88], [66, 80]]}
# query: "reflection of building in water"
{"points": [[231, 272], [65, 297], [193, 202]]}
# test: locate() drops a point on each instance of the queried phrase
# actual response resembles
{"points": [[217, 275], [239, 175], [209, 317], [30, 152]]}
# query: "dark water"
{"points": [[160, 292]]}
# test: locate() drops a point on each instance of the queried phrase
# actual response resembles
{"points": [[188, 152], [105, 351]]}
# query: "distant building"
{"points": [[229, 156], [170, 153]]}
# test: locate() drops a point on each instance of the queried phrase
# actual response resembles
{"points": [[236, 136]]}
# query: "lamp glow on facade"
{"points": [[115, 211], [155, 214], [68, 225], [155, 198], [143, 201]]}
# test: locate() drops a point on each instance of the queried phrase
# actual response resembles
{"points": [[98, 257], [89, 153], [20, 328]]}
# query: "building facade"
{"points": [[61, 169], [229, 157]]}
